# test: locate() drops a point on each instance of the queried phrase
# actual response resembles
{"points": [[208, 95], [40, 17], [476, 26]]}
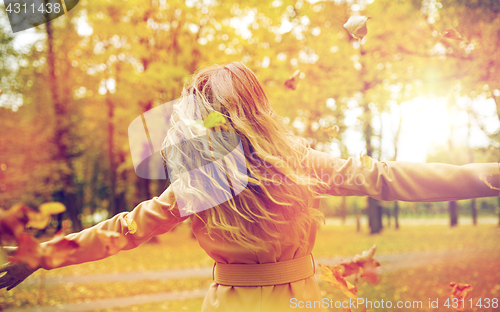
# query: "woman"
{"points": [[258, 221]]}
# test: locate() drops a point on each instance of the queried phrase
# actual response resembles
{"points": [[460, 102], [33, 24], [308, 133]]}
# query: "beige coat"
{"points": [[405, 181]]}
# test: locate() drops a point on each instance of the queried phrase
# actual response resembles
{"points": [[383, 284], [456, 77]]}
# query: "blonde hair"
{"points": [[249, 218]]}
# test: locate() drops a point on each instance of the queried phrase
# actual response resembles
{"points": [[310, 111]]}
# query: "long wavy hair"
{"points": [[272, 207]]}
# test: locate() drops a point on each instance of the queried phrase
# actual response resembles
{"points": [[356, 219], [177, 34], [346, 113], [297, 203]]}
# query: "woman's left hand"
{"points": [[15, 272]]}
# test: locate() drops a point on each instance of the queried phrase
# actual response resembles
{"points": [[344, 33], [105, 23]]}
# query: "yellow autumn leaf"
{"points": [[356, 26], [332, 276], [37, 220], [51, 208], [366, 161], [214, 119], [331, 132], [486, 179], [451, 34], [131, 224]]}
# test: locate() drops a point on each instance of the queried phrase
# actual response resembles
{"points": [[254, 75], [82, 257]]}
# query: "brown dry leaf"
{"points": [[460, 291], [356, 26], [332, 132], [293, 81], [369, 272], [58, 251], [13, 221], [364, 264], [332, 276], [28, 251], [349, 268], [451, 34], [486, 179], [113, 241]]}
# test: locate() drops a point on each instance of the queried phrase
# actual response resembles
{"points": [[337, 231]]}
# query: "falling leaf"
{"points": [[356, 26], [366, 161], [369, 272], [113, 241], [332, 132], [28, 251], [349, 268], [460, 291], [332, 276], [1, 92], [214, 119], [51, 208], [13, 221], [58, 251], [37, 220], [40, 219], [486, 179], [366, 255], [451, 34], [293, 81], [131, 224], [363, 264]]}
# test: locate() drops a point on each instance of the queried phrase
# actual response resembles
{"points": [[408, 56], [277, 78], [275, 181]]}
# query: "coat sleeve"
{"points": [[153, 217], [405, 181]]}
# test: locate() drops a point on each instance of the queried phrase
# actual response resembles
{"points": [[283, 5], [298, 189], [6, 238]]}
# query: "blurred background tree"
{"points": [[70, 96]]}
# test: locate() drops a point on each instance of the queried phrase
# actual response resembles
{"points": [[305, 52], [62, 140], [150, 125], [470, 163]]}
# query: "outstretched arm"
{"points": [[153, 217], [405, 181]]}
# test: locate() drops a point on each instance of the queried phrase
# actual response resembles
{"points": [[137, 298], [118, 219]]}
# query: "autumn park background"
{"points": [[422, 85]]}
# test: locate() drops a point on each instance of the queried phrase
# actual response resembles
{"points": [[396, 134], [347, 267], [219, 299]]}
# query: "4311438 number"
{"points": [[43, 8], [481, 303]]}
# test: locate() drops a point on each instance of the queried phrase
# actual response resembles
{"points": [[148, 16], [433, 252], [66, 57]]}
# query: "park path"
{"points": [[389, 263]]}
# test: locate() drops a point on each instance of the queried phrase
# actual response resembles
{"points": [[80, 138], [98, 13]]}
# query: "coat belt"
{"points": [[266, 274]]}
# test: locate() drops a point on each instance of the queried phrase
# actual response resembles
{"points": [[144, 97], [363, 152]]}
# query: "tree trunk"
{"points": [[452, 208], [498, 199], [358, 221], [343, 210], [374, 216], [111, 156], [396, 215], [61, 137], [473, 210]]}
